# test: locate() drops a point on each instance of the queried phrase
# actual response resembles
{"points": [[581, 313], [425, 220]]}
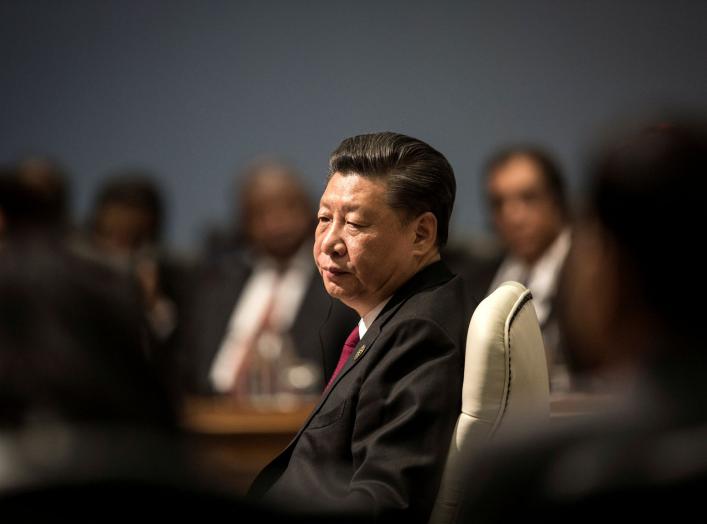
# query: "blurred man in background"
{"points": [[260, 318], [124, 233], [526, 195]]}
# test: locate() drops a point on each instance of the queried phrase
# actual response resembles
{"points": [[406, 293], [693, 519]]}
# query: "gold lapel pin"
{"points": [[360, 351]]}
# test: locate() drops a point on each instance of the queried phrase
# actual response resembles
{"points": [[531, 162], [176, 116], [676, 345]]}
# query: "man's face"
{"points": [[278, 218], [122, 228], [363, 250], [525, 215]]}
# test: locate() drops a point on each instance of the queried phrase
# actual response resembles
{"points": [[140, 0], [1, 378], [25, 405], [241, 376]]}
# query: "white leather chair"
{"points": [[505, 383]]}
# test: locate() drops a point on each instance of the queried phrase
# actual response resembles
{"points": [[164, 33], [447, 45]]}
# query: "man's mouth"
{"points": [[333, 271]]}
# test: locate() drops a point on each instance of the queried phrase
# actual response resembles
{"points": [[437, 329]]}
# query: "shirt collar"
{"points": [[369, 317], [545, 270]]}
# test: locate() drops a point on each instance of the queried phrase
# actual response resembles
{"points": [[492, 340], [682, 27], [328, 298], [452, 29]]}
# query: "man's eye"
{"points": [[323, 219], [530, 196], [355, 225]]}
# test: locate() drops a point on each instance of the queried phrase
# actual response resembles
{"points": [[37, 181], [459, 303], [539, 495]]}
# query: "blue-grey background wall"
{"points": [[194, 89]]}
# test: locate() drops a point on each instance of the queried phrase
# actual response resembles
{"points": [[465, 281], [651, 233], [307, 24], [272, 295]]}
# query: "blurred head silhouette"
{"points": [[633, 274], [128, 214], [33, 199], [49, 181]]}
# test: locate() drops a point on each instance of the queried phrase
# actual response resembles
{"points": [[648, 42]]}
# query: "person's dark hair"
{"points": [[49, 181], [73, 343], [27, 207], [418, 177], [548, 168], [648, 193], [135, 189], [15, 208]]}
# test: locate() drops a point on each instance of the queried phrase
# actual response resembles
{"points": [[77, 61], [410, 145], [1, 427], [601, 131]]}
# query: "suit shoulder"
{"points": [[441, 304]]}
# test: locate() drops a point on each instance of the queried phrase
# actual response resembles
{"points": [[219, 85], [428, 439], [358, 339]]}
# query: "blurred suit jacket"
{"points": [[477, 271], [213, 300], [377, 441]]}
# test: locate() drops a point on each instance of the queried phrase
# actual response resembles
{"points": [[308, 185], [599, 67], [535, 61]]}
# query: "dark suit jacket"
{"points": [[378, 439], [212, 303], [476, 271]]}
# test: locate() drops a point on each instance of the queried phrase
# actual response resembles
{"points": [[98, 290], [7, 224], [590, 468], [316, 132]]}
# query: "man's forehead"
{"points": [[517, 188], [352, 192], [518, 171]]}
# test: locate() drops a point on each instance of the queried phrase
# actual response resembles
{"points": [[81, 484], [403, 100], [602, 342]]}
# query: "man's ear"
{"points": [[425, 227]]}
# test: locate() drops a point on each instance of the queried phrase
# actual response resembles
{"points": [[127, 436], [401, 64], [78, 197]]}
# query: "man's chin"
{"points": [[336, 292]]}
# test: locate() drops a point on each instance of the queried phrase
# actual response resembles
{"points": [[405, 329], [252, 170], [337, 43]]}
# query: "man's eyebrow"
{"points": [[349, 208], [345, 208]]}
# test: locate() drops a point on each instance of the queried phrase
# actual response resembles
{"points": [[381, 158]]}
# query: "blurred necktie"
{"points": [[241, 383]]}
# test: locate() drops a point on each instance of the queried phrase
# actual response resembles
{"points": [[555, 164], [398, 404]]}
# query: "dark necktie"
{"points": [[346, 351]]}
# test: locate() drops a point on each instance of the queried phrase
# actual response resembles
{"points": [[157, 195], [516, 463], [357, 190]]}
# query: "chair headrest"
{"points": [[505, 370]]}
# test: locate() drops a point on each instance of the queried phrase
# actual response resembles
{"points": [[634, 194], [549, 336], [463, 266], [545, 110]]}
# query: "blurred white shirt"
{"points": [[288, 288]]}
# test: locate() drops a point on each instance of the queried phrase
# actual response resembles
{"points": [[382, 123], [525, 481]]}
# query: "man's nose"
{"points": [[332, 242], [513, 213]]}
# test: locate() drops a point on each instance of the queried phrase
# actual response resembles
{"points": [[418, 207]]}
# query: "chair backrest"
{"points": [[505, 383]]}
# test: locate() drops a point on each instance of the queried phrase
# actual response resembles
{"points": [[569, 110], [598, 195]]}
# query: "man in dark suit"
{"points": [[377, 441], [629, 318], [272, 275]]}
